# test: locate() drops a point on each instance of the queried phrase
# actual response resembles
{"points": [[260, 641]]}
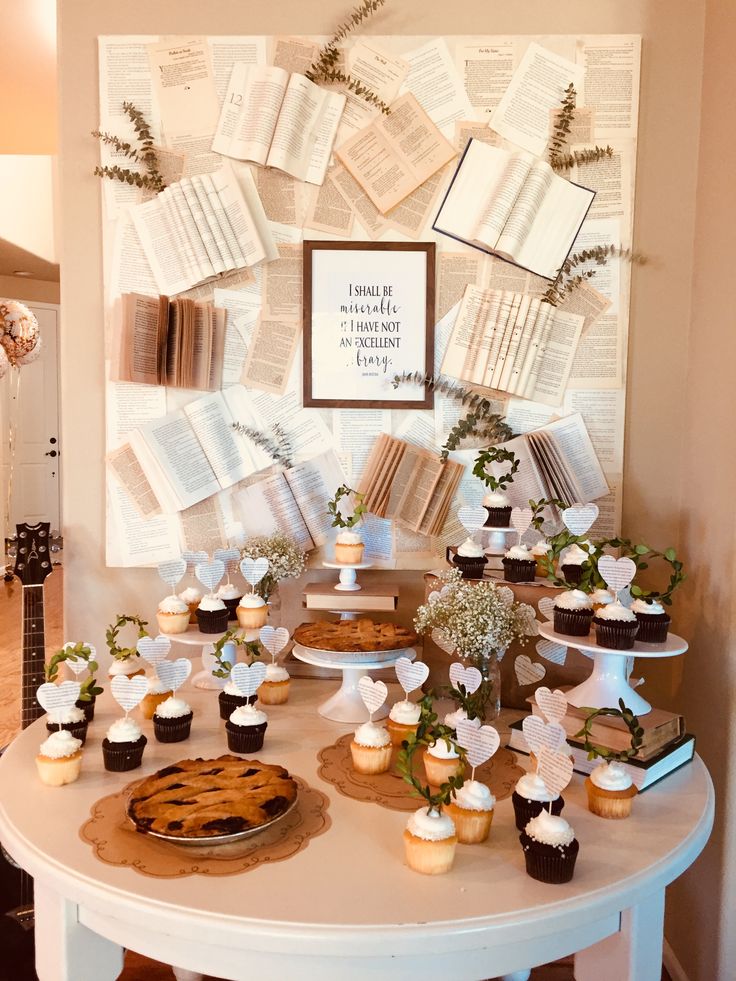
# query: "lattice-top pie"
{"points": [[204, 798], [354, 635]]}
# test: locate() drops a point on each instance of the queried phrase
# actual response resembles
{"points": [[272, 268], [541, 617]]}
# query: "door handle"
{"points": [[51, 453]]}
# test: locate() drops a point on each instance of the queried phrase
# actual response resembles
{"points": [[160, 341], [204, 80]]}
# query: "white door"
{"points": [[35, 493]]}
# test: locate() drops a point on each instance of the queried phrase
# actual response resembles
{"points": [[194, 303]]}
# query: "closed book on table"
{"points": [[644, 773], [323, 596]]}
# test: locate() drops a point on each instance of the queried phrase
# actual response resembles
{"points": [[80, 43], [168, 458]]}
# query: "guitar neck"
{"points": [[33, 654]]}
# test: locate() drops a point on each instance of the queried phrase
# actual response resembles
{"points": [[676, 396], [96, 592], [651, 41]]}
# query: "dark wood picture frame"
{"points": [[423, 401]]}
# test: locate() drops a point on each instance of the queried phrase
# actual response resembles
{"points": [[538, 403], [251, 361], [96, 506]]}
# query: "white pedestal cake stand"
{"points": [[195, 638], [348, 581], [346, 705], [607, 682], [496, 544]]}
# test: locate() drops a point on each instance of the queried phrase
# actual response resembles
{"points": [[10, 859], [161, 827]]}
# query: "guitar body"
{"points": [[32, 566]]}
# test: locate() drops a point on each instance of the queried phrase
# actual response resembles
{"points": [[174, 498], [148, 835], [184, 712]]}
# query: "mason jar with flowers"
{"points": [[286, 560]]}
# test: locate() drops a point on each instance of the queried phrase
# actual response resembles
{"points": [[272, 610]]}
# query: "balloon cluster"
{"points": [[20, 338]]}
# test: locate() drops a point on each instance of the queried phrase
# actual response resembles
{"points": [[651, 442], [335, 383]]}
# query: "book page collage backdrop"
{"points": [[462, 84]]}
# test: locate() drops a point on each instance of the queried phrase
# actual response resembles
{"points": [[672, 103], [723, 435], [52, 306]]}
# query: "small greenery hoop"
{"points": [[632, 723], [111, 636], [495, 454], [428, 732], [333, 509], [89, 689], [642, 555], [222, 668]]}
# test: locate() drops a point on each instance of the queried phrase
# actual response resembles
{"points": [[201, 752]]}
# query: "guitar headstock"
{"points": [[33, 559]]}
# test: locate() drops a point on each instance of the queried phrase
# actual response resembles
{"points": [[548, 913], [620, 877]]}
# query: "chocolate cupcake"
{"points": [[230, 595], [616, 627], [88, 707], [246, 728], [76, 726], [573, 613], [530, 797], [469, 558], [654, 621], [172, 720], [519, 565], [571, 566], [230, 699], [122, 747], [550, 848], [212, 615], [497, 505]]}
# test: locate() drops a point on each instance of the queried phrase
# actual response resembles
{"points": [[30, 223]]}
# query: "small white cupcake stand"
{"points": [[206, 644], [607, 682], [496, 546], [348, 580]]}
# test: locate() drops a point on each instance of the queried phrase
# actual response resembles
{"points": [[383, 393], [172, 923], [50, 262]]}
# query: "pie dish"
{"points": [[209, 801], [354, 635]]}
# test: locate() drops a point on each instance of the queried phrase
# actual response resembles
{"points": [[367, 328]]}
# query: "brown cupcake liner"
{"points": [[245, 739], [519, 570], [498, 517], [573, 623], [653, 628], [232, 605], [572, 573], [172, 730], [525, 810], [228, 703], [470, 567], [87, 707], [618, 635], [212, 621], [119, 757], [77, 729], [548, 863]]}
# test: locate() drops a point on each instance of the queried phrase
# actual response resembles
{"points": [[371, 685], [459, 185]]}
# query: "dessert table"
{"points": [[346, 905]]}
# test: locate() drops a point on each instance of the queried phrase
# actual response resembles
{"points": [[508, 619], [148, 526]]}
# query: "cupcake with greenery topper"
{"points": [[496, 501], [430, 838], [231, 697], [541, 548], [648, 605], [126, 660], [610, 789], [349, 545], [79, 657]]}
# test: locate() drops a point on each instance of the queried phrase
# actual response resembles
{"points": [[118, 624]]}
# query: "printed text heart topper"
{"points": [[472, 518], [193, 559], [553, 704], [254, 570], [172, 572], [469, 678], [580, 518], [373, 693], [443, 640], [229, 556], [248, 678], [129, 692], [617, 573], [173, 674], [479, 742], [210, 573], [77, 664], [153, 649], [521, 518], [274, 639], [539, 733], [56, 699], [555, 769], [411, 675]]}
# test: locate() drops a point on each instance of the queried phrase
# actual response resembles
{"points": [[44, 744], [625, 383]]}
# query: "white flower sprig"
{"points": [[285, 559], [478, 618]]}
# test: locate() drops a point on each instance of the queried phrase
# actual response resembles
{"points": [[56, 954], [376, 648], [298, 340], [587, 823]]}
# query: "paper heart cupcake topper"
{"points": [[274, 639], [617, 573], [550, 651], [56, 699], [411, 675], [248, 678], [373, 693], [79, 665], [128, 692], [254, 570], [472, 518], [153, 649], [210, 573], [553, 704], [539, 733], [521, 518], [469, 678], [228, 556], [580, 518], [173, 674], [479, 742], [555, 769], [505, 594], [172, 572], [546, 607], [194, 558], [443, 640], [528, 672]]}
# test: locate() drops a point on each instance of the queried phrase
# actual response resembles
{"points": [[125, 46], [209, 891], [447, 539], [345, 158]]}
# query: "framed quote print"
{"points": [[368, 316]]}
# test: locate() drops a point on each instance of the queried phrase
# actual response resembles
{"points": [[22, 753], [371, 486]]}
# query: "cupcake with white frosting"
{"points": [[616, 627], [498, 507], [59, 759], [470, 558], [274, 690], [230, 595], [212, 615], [246, 729], [459, 715], [231, 698], [471, 810], [191, 596], [550, 848], [654, 621], [370, 749], [600, 598], [403, 721], [157, 693], [530, 797], [72, 720], [252, 611], [610, 790], [123, 745], [539, 552], [519, 565], [349, 547], [172, 615], [572, 564], [573, 613], [129, 666], [430, 841], [442, 761], [172, 720]]}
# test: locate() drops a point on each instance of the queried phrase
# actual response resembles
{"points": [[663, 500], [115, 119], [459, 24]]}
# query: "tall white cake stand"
{"points": [[348, 580], [206, 644], [607, 682], [346, 705]]}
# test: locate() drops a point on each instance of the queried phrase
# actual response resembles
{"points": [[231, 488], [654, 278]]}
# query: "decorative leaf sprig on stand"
{"points": [[632, 723], [146, 154], [339, 519], [642, 555], [495, 454], [428, 732], [538, 508], [111, 636]]}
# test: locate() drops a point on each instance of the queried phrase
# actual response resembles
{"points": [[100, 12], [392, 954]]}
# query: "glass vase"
{"points": [[489, 694], [274, 606]]}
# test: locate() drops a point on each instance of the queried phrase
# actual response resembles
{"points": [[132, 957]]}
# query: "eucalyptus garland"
{"points": [[632, 723]]}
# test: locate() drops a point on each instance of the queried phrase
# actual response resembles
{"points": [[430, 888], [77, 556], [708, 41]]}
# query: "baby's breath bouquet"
{"points": [[285, 559]]}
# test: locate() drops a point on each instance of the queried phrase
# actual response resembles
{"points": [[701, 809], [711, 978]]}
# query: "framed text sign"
{"points": [[368, 316]]}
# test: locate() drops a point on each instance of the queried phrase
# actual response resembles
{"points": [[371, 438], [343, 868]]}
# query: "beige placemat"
{"points": [[391, 791], [115, 841]]}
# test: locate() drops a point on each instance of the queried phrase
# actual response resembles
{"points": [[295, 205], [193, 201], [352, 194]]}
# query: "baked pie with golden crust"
{"points": [[207, 798], [354, 635]]}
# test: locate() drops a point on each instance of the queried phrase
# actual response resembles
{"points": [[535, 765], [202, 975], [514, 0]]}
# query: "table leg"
{"points": [[181, 974], [66, 950], [634, 953]]}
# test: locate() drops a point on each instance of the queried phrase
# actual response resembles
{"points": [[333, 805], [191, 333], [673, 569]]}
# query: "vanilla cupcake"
{"points": [[230, 595], [519, 565], [471, 810], [349, 548], [172, 720], [371, 749], [616, 627], [252, 611], [538, 552], [470, 559], [212, 615], [497, 505], [459, 715], [573, 613], [530, 797], [123, 745], [403, 720], [429, 842], [654, 621], [274, 690], [59, 759], [130, 666], [172, 615], [191, 596], [601, 597], [442, 761], [572, 564], [550, 848], [610, 790], [156, 694]]}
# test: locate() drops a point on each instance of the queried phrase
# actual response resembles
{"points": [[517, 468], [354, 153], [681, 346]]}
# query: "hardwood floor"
{"points": [[137, 968]]}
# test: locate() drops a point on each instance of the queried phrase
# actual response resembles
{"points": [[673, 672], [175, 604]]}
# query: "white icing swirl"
{"points": [[172, 708], [211, 604], [172, 604], [66, 716], [443, 750], [601, 597], [274, 672], [452, 718], [530, 786], [470, 549], [611, 776], [232, 689], [60, 744], [575, 555], [124, 731], [652, 608], [430, 826], [349, 538], [573, 599], [157, 687], [406, 713], [549, 829], [541, 548], [519, 552], [191, 595], [369, 734], [475, 796], [496, 499], [248, 715], [129, 666], [252, 601], [229, 591], [616, 611]]}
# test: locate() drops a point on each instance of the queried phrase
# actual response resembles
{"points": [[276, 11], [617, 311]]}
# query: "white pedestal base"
{"points": [[348, 578], [606, 685]]}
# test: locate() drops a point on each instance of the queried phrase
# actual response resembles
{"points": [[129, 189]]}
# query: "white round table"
{"points": [[346, 906]]}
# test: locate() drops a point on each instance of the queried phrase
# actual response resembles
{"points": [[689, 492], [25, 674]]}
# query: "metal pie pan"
{"points": [[357, 657]]}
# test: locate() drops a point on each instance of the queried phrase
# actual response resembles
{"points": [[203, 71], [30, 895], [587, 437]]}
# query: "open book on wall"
{"points": [[202, 226], [514, 343], [513, 205], [179, 343], [191, 454], [279, 120]]}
